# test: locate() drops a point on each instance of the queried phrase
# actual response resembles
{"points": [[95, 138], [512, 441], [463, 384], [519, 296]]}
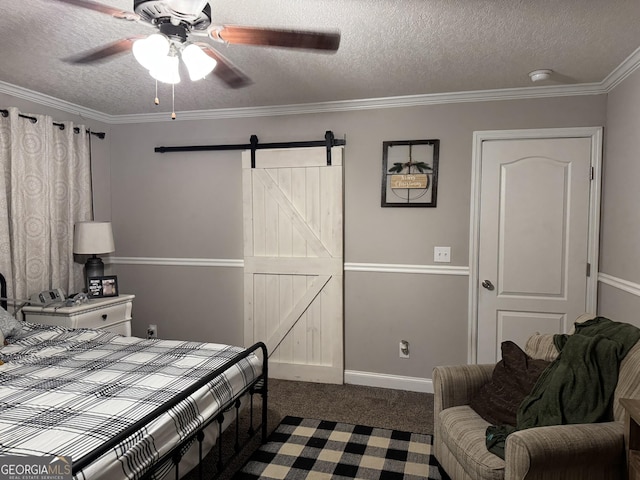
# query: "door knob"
{"points": [[487, 284]]}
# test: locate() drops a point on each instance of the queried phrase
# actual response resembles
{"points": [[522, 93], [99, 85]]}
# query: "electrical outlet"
{"points": [[404, 349], [442, 254], [152, 331]]}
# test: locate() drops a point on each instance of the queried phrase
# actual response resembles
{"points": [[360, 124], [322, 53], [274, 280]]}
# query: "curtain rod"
{"points": [[101, 135]]}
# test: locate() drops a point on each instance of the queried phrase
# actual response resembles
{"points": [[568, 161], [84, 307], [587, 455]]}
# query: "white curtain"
{"points": [[45, 187]]}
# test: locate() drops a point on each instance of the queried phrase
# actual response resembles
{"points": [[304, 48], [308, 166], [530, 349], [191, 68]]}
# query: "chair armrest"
{"points": [[567, 451], [456, 384]]}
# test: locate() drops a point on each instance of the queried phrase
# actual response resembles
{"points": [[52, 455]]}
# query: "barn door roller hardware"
{"points": [[253, 145]]}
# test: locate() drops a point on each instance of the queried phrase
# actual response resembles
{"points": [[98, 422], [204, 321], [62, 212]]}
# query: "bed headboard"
{"points": [[3, 291]]}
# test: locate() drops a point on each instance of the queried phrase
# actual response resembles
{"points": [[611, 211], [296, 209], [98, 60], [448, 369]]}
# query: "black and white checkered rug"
{"points": [[317, 449]]}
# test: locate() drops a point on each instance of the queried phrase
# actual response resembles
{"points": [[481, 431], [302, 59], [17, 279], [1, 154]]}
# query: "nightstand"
{"points": [[111, 313]]}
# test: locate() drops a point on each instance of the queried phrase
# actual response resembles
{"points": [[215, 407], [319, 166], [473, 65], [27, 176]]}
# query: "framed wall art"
{"points": [[410, 173], [99, 287]]}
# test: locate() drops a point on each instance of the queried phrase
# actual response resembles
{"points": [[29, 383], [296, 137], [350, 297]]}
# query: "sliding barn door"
{"points": [[293, 261]]}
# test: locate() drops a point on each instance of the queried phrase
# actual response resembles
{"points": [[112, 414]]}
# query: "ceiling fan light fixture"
{"points": [[189, 7], [166, 70], [198, 63], [151, 50]]}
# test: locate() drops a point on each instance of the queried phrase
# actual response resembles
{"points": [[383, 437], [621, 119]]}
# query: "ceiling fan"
{"points": [[177, 21]]}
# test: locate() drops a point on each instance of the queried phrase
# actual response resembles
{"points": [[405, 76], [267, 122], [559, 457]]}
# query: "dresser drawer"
{"points": [[123, 328], [101, 317], [113, 314]]}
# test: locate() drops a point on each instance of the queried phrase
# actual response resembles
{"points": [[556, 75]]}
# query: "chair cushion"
{"points": [[463, 432]]}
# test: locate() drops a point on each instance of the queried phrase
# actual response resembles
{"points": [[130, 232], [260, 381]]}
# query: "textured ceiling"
{"points": [[388, 49]]}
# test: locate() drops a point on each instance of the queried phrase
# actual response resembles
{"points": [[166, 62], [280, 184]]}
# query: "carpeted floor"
{"points": [[353, 404], [302, 448]]}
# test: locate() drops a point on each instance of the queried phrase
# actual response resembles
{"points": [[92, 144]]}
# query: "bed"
{"points": [[122, 407]]}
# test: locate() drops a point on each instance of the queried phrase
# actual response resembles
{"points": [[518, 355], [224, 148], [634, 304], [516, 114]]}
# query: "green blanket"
{"points": [[578, 386]]}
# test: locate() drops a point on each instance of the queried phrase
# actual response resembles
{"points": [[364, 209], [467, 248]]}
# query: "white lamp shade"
{"points": [[198, 63], [166, 70], [149, 51], [92, 238]]}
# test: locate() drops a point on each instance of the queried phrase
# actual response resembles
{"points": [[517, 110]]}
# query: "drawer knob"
{"points": [[104, 316]]}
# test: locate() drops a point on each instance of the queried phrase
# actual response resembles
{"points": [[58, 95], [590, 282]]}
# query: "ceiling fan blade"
{"points": [[329, 41], [100, 7], [225, 70], [106, 52]]}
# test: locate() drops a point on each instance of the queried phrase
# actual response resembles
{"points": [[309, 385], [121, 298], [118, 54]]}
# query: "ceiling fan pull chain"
{"points": [[173, 101], [156, 101]]}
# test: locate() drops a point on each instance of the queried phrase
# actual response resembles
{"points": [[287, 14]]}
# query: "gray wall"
{"points": [[620, 228], [188, 205]]}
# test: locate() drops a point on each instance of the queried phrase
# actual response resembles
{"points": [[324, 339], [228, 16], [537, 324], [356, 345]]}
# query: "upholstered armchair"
{"points": [[580, 451]]}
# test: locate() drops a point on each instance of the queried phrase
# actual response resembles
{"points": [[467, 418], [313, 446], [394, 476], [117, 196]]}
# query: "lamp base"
{"points": [[93, 268]]}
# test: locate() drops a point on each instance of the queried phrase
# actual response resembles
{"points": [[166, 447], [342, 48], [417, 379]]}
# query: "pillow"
{"points": [[9, 326], [513, 379], [581, 319], [541, 346]]}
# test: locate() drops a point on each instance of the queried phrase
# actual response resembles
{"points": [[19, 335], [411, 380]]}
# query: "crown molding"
{"points": [[48, 101], [622, 71], [371, 103]]}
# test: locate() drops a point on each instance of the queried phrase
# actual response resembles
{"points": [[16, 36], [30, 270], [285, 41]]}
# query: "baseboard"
{"points": [[382, 380]]}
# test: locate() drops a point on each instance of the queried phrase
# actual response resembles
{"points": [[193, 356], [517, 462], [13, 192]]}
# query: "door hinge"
{"points": [[588, 269], [591, 173]]}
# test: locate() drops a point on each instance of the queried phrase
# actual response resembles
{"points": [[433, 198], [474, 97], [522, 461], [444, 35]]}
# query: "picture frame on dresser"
{"points": [[102, 287]]}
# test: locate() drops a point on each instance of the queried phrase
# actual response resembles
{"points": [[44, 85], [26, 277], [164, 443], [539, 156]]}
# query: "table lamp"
{"points": [[93, 238]]}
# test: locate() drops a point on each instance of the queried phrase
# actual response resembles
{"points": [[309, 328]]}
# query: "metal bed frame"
{"points": [[258, 386], [3, 292]]}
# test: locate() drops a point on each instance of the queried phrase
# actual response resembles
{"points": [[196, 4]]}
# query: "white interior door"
{"points": [[293, 261], [533, 246]]}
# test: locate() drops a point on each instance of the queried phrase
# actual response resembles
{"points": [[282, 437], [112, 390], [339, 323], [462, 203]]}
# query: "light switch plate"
{"points": [[442, 254]]}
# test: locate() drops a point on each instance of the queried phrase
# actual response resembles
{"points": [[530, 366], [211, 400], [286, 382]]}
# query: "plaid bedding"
{"points": [[65, 392]]}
